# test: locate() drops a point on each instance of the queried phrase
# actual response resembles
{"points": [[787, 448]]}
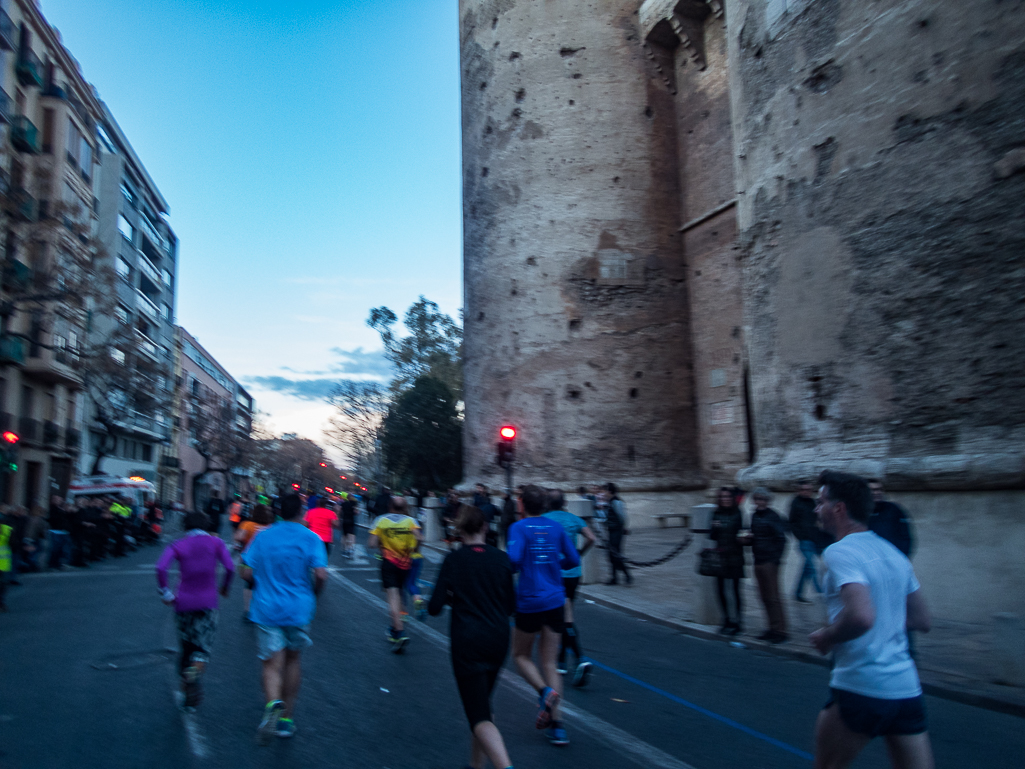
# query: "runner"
{"points": [[398, 537], [235, 512], [195, 600], [575, 527], [322, 521], [477, 582], [278, 566], [262, 518], [348, 526], [873, 599], [6, 560], [537, 548]]}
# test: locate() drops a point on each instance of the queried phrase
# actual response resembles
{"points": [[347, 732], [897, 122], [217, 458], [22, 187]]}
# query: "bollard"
{"points": [[431, 528], [1009, 649], [591, 562], [707, 610]]}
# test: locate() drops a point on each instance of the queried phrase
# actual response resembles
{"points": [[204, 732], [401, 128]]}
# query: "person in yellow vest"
{"points": [[5, 561], [122, 512]]}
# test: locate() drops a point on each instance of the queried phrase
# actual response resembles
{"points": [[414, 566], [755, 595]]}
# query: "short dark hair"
{"points": [[197, 521], [291, 507], [611, 488], [556, 500], [470, 520], [582, 490], [850, 489], [262, 515], [534, 500]]}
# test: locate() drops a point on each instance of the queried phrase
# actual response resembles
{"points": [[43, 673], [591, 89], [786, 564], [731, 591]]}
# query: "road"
{"points": [[86, 681]]}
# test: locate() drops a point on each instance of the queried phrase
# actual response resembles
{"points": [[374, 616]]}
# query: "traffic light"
{"points": [[506, 446], [323, 464], [9, 452], [295, 487]]}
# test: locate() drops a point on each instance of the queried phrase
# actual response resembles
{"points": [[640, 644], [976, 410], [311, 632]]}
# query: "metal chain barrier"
{"points": [[604, 545]]}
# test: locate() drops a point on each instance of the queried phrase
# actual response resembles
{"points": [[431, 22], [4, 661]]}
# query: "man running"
{"points": [[348, 526], [287, 568], [538, 547], [398, 537], [575, 527], [215, 509], [873, 599]]}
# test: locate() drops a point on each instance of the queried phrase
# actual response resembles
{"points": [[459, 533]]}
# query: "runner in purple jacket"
{"points": [[195, 603]]}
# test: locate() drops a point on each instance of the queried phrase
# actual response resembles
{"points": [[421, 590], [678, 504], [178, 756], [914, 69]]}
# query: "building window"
{"points": [[168, 278], [147, 452], [168, 313], [48, 131], [86, 160], [126, 228], [117, 355], [121, 313], [124, 269], [127, 194], [74, 143]]}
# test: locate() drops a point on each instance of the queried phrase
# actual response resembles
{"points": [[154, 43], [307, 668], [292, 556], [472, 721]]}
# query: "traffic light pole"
{"points": [[508, 478]]}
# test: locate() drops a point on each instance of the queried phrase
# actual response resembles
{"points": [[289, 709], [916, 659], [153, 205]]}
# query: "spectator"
{"points": [[726, 524], [60, 533], [804, 527], [768, 541], [17, 518], [617, 526], [36, 532], [889, 520]]}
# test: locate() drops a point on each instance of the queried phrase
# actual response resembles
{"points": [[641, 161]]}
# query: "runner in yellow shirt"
{"points": [[398, 537]]}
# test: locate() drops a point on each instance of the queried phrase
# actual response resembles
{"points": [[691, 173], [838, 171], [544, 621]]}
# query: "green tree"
{"points": [[432, 347], [423, 435]]}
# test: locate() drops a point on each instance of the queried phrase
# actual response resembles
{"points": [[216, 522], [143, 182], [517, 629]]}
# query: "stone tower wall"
{"points": [[576, 304]]}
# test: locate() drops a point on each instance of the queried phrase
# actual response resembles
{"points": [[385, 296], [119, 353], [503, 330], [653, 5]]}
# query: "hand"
{"points": [[821, 640], [223, 591]]}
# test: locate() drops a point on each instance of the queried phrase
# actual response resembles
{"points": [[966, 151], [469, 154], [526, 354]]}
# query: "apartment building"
{"points": [[82, 224], [215, 421]]}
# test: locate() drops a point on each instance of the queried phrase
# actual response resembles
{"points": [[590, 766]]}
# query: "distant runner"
{"points": [[398, 537], [323, 520], [477, 582], [195, 599], [348, 526], [286, 566], [262, 519], [538, 547]]}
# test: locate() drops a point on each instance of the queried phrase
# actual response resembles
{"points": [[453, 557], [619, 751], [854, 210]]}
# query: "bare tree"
{"points": [[353, 429], [216, 433]]}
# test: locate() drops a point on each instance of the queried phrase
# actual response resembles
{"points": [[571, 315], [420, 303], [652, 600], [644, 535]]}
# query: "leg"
{"points": [[736, 598], [488, 740], [273, 676], [777, 619], [909, 751], [395, 607], [762, 577], [720, 584], [291, 679], [836, 746], [523, 653], [548, 650]]}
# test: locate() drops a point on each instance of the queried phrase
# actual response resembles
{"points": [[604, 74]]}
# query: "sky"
{"points": [[310, 154]]}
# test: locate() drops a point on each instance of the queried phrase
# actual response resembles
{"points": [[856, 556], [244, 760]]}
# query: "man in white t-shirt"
{"points": [[873, 599]]}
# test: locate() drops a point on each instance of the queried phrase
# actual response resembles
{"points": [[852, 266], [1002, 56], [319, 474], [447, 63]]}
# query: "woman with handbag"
{"points": [[727, 522]]}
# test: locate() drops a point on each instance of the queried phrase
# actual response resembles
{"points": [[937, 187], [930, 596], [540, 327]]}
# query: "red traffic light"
{"points": [[323, 464], [295, 486], [11, 437], [508, 432]]}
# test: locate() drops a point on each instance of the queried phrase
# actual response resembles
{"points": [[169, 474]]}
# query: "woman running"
{"points": [[477, 582], [195, 603], [262, 518]]}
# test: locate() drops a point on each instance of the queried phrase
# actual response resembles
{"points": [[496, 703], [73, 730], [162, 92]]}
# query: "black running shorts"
{"points": [[569, 584], [532, 622], [475, 692], [877, 717], [392, 575]]}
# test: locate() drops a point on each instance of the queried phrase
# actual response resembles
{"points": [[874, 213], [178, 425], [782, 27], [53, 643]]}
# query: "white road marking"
{"points": [[623, 742], [193, 734]]}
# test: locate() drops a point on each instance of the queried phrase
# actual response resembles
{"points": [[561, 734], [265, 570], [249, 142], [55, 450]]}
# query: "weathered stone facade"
{"points": [[759, 238]]}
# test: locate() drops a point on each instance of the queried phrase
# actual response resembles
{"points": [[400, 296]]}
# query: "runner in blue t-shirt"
{"points": [[286, 565], [575, 527], [539, 549]]}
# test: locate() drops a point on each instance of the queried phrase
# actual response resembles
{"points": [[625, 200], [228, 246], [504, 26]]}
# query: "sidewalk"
{"points": [[952, 659]]}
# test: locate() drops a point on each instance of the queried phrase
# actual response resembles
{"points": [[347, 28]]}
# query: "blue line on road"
{"points": [[704, 711]]}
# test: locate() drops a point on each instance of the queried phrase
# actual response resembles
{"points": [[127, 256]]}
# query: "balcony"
{"points": [[148, 426], [23, 206], [144, 304], [24, 135], [148, 347], [12, 349], [29, 69], [7, 32], [57, 366], [51, 433], [28, 428], [5, 107]]}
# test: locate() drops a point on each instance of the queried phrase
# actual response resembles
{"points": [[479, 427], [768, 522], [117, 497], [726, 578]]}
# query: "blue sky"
{"points": [[309, 151]]}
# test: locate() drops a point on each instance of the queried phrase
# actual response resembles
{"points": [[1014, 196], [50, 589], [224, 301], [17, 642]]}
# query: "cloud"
{"points": [[372, 364], [303, 389]]}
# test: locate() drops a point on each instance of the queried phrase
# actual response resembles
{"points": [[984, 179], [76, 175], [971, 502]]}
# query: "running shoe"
{"points": [[556, 734], [286, 728], [399, 639], [582, 674], [193, 694], [269, 725], [547, 701], [561, 668], [420, 608]]}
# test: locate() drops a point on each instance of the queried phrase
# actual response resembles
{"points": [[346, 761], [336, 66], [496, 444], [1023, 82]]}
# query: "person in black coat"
{"points": [[768, 541], [727, 522], [477, 582], [889, 520]]}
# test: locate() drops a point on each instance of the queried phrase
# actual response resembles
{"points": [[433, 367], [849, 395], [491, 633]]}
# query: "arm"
{"points": [[373, 541], [319, 579], [442, 591], [918, 613], [515, 548], [570, 557], [855, 619], [589, 540], [229, 570], [163, 563]]}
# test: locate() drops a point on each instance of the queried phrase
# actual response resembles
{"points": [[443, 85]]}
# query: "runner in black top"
{"points": [[477, 581], [348, 526]]}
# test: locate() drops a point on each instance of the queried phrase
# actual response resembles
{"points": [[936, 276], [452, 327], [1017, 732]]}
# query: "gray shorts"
{"points": [[270, 640]]}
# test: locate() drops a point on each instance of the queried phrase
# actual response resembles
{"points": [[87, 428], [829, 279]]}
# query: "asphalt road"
{"points": [[86, 680]]}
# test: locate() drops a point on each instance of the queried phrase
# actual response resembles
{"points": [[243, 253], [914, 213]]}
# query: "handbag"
{"points": [[710, 562]]}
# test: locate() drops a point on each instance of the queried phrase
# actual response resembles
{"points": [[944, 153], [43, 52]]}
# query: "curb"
{"points": [[943, 691]]}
